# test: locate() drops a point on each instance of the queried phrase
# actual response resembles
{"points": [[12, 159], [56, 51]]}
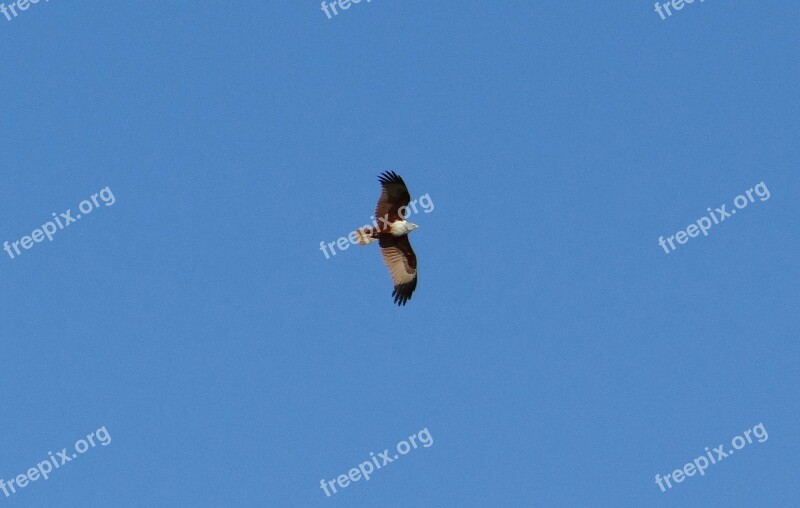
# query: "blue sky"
{"points": [[555, 353]]}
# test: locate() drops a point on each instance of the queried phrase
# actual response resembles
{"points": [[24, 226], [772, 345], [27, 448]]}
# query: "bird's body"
{"points": [[391, 232], [396, 228]]}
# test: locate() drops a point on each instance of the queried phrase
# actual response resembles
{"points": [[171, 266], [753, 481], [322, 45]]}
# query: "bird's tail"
{"points": [[365, 236]]}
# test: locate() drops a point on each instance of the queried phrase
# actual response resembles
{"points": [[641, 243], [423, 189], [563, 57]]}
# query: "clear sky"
{"points": [[555, 353]]}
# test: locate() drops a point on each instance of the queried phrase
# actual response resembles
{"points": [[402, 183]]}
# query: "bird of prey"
{"points": [[391, 231]]}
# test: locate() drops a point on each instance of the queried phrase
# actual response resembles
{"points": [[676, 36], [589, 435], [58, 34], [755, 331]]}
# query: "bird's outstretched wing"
{"points": [[393, 196], [402, 263]]}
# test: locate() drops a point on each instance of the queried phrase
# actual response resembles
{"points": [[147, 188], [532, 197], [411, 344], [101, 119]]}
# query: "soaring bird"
{"points": [[391, 230]]}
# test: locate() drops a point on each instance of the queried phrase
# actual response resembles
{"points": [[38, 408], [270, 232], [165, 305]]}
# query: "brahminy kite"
{"points": [[391, 231]]}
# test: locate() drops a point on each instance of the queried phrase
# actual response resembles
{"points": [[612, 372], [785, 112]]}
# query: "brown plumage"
{"points": [[394, 195], [392, 235], [402, 264]]}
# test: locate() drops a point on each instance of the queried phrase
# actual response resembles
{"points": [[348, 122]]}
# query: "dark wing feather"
{"points": [[402, 264], [393, 196]]}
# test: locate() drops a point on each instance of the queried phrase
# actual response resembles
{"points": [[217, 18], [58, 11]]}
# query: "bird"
{"points": [[391, 231]]}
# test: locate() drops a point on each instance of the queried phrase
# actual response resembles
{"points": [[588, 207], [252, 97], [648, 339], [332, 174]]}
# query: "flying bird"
{"points": [[391, 232]]}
